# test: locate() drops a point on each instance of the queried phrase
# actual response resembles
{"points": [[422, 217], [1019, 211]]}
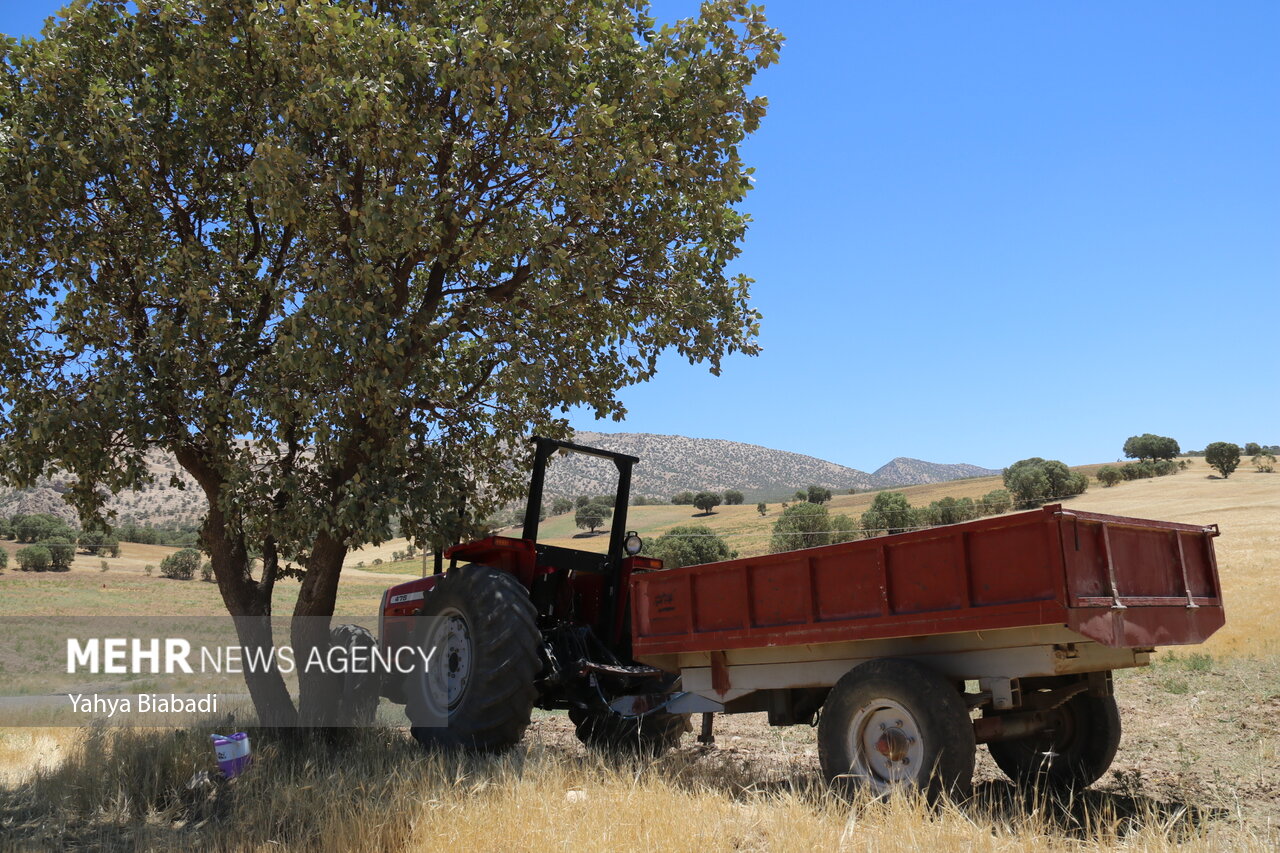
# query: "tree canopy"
{"points": [[801, 525], [339, 257], [1151, 447], [689, 545], [890, 512], [706, 501], [1223, 456], [1036, 481], [593, 514]]}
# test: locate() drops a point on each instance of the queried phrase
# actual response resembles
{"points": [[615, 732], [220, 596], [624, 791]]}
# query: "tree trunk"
{"points": [[248, 601], [312, 615]]}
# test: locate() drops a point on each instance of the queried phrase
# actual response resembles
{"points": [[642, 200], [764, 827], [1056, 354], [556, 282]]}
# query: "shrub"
{"points": [[689, 545], [4, 559], [843, 529], [1109, 475], [377, 561], [762, 508], [1165, 467], [206, 571], [801, 525], [1265, 463], [61, 553], [890, 512], [104, 566], [995, 502], [952, 510], [1223, 456], [34, 558], [148, 570], [180, 565]]}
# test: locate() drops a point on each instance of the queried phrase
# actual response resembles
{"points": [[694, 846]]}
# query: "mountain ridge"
{"points": [[669, 464]]}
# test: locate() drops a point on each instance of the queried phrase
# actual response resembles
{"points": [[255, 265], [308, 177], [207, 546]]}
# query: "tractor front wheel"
{"points": [[473, 686]]}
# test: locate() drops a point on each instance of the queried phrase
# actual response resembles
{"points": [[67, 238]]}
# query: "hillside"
{"points": [[914, 472], [674, 463], [669, 464]]}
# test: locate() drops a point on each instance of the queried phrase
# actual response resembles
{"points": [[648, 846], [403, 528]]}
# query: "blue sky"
{"points": [[986, 231]]}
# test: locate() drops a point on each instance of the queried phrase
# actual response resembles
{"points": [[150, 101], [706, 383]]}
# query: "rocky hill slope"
{"points": [[669, 464]]}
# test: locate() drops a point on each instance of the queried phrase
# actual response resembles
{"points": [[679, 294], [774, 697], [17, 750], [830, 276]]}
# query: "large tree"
{"points": [[1150, 447], [337, 257]]}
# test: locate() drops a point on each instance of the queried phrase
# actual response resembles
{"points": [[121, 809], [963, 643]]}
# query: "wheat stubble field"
{"points": [[1198, 768]]}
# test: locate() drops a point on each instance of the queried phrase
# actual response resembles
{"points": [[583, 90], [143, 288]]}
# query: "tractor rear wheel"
{"points": [[894, 724], [475, 689], [648, 736], [1073, 754]]}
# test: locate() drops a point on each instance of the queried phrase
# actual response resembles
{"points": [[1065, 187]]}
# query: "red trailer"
{"points": [[1032, 611], [908, 650]]}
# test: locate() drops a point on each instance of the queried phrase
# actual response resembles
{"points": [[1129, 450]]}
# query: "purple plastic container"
{"points": [[232, 752]]}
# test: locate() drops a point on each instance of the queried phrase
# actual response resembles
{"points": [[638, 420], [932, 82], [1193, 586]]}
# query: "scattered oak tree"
{"points": [[593, 514], [818, 494], [762, 508], [1036, 481], [890, 512], [732, 497], [689, 545], [801, 525], [1148, 447], [339, 258], [1223, 456], [61, 552], [706, 501]]}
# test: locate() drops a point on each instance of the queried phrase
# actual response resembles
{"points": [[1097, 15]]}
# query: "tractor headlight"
{"points": [[633, 544]]}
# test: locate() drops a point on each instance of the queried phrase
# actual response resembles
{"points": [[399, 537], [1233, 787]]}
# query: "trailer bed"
{"points": [[1119, 582]]}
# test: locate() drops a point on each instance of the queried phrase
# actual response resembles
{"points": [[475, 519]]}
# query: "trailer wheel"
{"points": [[1073, 754], [894, 724], [647, 736], [476, 689], [354, 695]]}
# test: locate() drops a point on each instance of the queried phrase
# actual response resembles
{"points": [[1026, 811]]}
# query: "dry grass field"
{"points": [[1198, 768]]}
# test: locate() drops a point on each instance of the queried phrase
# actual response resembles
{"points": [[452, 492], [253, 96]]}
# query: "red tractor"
{"points": [[890, 644], [527, 625]]}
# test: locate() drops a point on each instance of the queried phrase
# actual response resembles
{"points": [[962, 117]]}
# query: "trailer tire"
{"points": [[353, 696], [479, 629], [1073, 756], [894, 724], [647, 736]]}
